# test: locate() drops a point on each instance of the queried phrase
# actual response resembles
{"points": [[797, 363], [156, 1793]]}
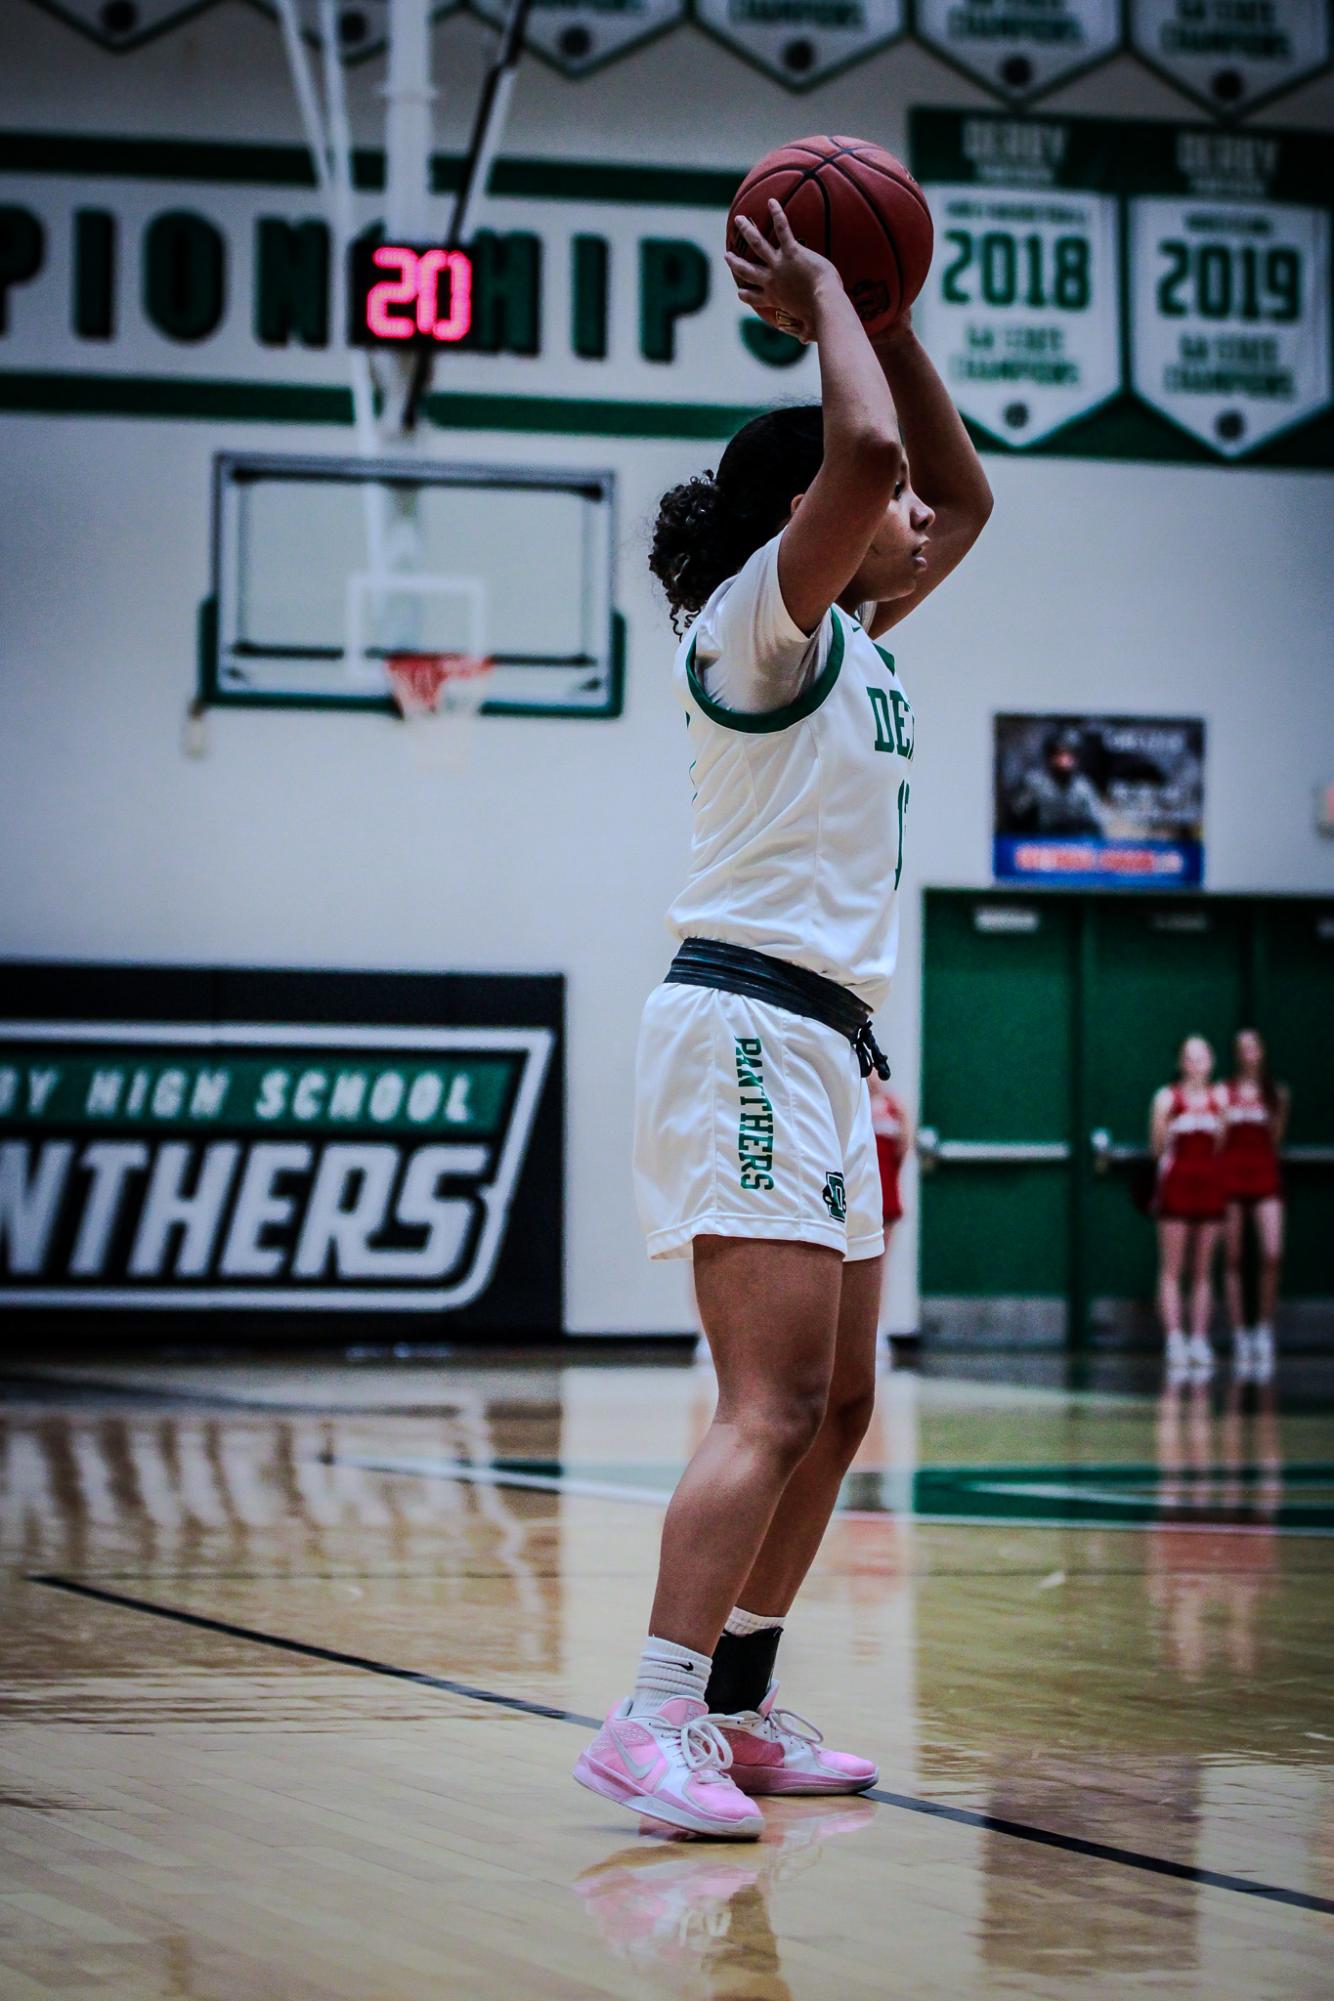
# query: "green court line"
{"points": [[945, 1497]]}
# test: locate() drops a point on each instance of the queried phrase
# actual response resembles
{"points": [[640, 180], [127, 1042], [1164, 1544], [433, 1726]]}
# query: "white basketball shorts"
{"points": [[750, 1122]]}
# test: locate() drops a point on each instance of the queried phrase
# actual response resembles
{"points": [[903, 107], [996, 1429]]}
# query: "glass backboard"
{"points": [[326, 568]]}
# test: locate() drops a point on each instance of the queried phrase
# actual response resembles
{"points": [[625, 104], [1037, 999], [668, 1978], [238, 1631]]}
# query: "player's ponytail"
{"points": [[709, 525]]}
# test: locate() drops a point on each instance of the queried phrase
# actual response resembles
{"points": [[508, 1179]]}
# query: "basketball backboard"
{"points": [[324, 568]]}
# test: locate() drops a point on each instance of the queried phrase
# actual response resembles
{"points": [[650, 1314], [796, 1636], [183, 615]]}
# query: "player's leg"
{"points": [[773, 1750], [772, 1312], [770, 1309], [1203, 1249], [1234, 1236], [808, 1499], [1269, 1239], [1172, 1235], [1234, 1286]]}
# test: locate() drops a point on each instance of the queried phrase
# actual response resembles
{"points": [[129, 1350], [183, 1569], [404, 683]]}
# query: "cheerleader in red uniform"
{"points": [[1255, 1117], [1190, 1202], [893, 1136]]}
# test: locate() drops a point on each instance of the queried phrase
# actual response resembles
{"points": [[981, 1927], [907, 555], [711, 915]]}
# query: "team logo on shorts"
{"points": [[836, 1197]]}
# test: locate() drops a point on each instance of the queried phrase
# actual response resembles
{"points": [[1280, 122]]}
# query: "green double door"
{"points": [[1049, 1020]]}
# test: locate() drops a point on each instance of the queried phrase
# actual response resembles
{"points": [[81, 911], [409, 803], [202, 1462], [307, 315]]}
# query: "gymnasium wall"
{"points": [[312, 840]]}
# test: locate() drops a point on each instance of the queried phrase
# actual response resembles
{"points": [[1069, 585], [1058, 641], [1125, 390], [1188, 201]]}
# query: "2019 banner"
{"points": [[286, 1143], [1117, 289]]}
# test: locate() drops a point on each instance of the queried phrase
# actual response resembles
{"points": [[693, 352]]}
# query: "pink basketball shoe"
{"points": [[669, 1764], [777, 1751]]}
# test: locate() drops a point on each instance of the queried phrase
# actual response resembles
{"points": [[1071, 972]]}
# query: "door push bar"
{"points": [[1106, 1155], [932, 1151]]}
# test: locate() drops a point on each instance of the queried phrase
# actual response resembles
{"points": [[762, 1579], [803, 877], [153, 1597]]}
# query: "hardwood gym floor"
{"points": [[297, 1657]]}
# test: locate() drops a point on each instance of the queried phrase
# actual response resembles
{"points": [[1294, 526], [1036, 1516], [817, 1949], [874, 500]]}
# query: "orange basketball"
{"points": [[858, 206]]}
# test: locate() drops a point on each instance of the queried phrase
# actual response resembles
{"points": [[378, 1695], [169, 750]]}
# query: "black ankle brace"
{"points": [[743, 1667]]}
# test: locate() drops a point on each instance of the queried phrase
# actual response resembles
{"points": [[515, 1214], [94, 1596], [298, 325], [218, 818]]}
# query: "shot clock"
{"points": [[408, 295]]}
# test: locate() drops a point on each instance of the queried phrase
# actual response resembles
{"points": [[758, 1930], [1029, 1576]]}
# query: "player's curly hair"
{"points": [[708, 526]]}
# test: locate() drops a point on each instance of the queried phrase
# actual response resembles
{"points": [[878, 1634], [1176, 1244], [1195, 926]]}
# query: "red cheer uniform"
{"points": [[1191, 1188], [1250, 1157]]}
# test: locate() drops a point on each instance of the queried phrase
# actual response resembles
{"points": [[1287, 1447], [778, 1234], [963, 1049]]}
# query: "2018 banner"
{"points": [[284, 1143], [1119, 289], [1099, 801]]}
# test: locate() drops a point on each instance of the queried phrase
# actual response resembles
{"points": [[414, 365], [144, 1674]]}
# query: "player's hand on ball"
{"points": [[781, 278]]}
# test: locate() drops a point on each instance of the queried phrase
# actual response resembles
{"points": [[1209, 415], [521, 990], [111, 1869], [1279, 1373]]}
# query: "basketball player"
{"points": [[1255, 1117], [754, 1154], [1185, 1133]]}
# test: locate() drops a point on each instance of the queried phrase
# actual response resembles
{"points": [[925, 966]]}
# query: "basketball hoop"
{"points": [[441, 693]]}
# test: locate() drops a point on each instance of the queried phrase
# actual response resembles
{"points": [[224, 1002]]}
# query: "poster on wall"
{"points": [[1099, 801], [1108, 288], [802, 42], [1021, 47], [1233, 54], [291, 1145]]}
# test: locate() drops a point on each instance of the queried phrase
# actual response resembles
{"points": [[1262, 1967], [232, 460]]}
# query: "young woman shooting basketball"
{"points": [[754, 1149]]}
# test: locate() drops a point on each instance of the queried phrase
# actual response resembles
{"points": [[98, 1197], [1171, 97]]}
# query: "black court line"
{"points": [[314, 1653], [1016, 1830]]}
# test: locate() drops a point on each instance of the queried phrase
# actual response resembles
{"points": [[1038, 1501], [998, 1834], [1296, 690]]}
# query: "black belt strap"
{"points": [[735, 969]]}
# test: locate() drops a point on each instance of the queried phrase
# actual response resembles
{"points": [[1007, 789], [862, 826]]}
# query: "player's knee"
{"points": [[787, 1425], [848, 1417]]}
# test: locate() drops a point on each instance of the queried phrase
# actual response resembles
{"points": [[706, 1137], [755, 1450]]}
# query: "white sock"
{"points": [[740, 1622], [666, 1670]]}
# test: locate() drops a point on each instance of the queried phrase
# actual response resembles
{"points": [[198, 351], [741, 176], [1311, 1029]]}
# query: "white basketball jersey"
{"points": [[800, 815]]}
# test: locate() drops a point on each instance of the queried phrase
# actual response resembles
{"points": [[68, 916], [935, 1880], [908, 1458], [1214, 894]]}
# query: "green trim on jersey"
{"points": [[772, 719], [888, 658]]}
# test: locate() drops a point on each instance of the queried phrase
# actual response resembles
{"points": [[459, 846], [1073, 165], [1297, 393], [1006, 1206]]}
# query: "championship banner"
{"points": [[293, 1143], [125, 25], [1214, 340], [1233, 54], [579, 36], [802, 42], [1099, 801], [1231, 291], [1020, 47], [125, 28]]}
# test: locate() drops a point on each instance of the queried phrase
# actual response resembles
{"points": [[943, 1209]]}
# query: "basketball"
{"points": [[858, 206]]}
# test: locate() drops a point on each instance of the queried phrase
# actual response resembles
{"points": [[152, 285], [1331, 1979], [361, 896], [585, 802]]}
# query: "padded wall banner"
{"points": [[802, 42], [1021, 47], [1100, 801], [1233, 54], [1108, 288], [300, 1144], [579, 36]]}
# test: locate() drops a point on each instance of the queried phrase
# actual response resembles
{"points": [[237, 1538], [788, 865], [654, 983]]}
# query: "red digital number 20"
{"points": [[417, 287]]}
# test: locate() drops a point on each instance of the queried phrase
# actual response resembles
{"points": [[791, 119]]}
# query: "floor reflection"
{"points": [[1212, 1558], [694, 1916]]}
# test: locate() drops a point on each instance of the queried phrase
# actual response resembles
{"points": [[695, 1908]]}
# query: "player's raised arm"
{"points": [[945, 469], [825, 542]]}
